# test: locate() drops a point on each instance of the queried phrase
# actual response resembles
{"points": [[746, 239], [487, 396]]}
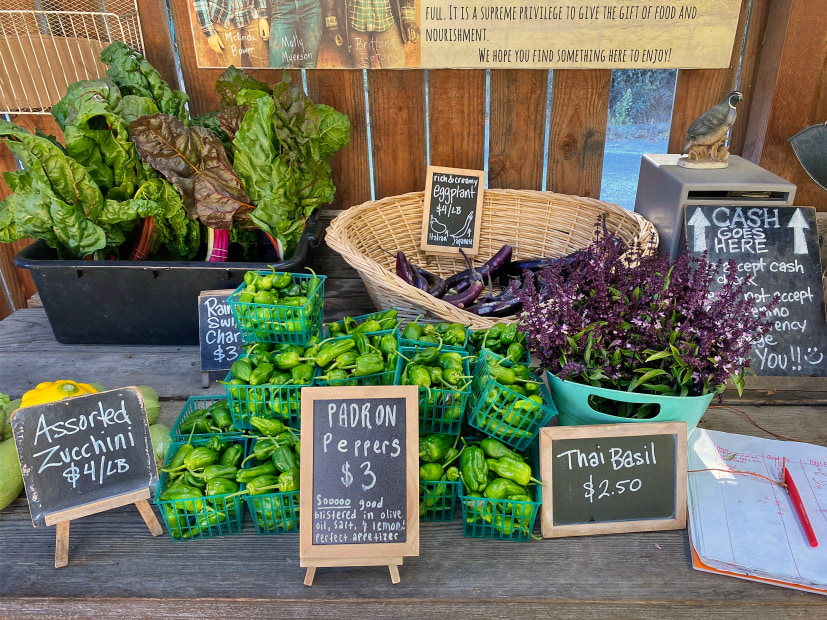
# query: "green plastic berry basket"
{"points": [[505, 414], [201, 517], [193, 405], [274, 402], [500, 519], [441, 410], [438, 500], [279, 323], [274, 513]]}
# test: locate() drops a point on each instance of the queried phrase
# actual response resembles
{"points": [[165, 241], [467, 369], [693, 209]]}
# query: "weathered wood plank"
{"points": [[397, 125], [789, 92], [456, 107], [577, 139], [517, 129], [158, 39], [754, 40], [344, 90]]}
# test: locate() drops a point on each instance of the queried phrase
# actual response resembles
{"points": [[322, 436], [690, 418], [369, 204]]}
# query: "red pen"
{"points": [[799, 505]]}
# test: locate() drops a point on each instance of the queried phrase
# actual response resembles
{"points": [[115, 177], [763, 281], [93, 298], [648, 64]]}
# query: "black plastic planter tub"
{"points": [[138, 302]]}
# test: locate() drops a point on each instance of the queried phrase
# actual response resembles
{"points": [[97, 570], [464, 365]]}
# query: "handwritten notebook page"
{"points": [[744, 524]]}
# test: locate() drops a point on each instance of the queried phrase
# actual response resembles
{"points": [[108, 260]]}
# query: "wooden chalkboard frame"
{"points": [[373, 554], [549, 435], [62, 518], [446, 250]]}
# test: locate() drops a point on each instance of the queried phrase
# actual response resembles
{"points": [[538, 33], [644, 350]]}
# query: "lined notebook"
{"points": [[745, 526]]}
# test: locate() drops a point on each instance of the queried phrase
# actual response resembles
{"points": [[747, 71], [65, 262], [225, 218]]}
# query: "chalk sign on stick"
{"points": [[84, 455], [777, 249], [221, 342], [453, 210], [611, 478], [359, 477]]}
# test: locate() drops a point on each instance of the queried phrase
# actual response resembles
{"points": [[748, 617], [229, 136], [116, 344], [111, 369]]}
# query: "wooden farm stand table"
{"points": [[117, 569]]}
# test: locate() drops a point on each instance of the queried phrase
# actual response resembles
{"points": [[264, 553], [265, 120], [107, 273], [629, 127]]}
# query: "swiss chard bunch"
{"points": [[95, 194], [636, 322]]}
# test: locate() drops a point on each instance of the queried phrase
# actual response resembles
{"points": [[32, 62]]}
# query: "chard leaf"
{"points": [[134, 75], [232, 82], [194, 161], [334, 131]]}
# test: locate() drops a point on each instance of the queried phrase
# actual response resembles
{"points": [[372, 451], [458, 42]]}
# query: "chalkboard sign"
{"points": [[79, 452], [359, 475], [221, 341], [777, 249], [453, 210], [610, 478]]}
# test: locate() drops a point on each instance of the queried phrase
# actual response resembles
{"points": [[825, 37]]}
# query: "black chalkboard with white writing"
{"points": [[613, 478], [451, 217], [221, 342], [83, 450], [777, 249], [359, 471]]}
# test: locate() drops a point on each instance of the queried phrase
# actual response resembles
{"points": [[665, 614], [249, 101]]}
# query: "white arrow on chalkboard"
{"points": [[699, 222], [799, 224]]}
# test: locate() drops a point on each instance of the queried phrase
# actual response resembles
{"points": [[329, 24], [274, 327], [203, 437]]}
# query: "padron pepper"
{"points": [[473, 468], [495, 449], [332, 350], [232, 455], [245, 475], [221, 415], [512, 469], [284, 459], [242, 369], [301, 374], [433, 448], [501, 488], [430, 472], [219, 471], [369, 364], [221, 486], [267, 427], [261, 374], [262, 484]]}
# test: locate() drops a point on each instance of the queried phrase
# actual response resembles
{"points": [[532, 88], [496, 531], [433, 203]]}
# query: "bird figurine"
{"points": [[707, 134]]}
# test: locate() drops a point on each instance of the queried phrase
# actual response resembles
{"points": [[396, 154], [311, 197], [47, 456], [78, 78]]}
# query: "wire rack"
{"points": [[43, 51]]}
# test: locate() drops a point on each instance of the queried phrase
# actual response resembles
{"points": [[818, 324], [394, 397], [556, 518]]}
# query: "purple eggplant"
{"points": [[404, 269], [436, 285], [474, 290], [489, 268], [501, 307]]}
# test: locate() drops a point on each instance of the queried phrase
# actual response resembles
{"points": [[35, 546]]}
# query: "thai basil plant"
{"points": [[627, 319]]}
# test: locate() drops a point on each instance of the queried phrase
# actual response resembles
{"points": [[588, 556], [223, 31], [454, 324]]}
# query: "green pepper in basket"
{"points": [[313, 284], [512, 469], [369, 364], [282, 280], [219, 471], [262, 484], [232, 455], [495, 449], [242, 369], [473, 468], [430, 472], [221, 486], [301, 374], [284, 459], [264, 298], [332, 350], [270, 428], [261, 374], [434, 448], [501, 488], [265, 469], [220, 413], [413, 330]]}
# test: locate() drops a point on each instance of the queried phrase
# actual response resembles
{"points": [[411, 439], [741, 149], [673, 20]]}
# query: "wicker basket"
{"points": [[537, 224]]}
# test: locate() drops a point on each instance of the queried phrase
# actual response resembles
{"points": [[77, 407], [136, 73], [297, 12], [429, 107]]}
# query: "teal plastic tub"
{"points": [[572, 401]]}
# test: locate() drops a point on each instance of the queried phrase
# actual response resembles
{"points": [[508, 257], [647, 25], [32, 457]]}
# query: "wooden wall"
{"points": [[779, 61]]}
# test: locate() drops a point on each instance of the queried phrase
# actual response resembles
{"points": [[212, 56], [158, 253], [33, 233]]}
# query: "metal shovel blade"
{"points": [[810, 146]]}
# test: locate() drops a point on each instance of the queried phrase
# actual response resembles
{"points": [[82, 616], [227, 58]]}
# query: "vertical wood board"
{"points": [[456, 112], [397, 125], [577, 139], [517, 129]]}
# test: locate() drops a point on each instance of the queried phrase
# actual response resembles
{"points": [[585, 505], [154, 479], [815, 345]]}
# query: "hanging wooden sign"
{"points": [[610, 478], [84, 455], [359, 477], [453, 210]]}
